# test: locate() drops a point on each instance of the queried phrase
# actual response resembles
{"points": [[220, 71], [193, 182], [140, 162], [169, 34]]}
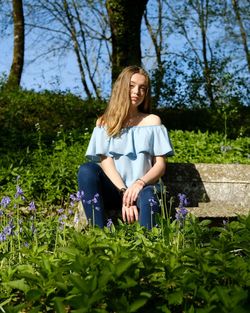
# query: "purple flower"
{"points": [[76, 219], [5, 202], [181, 214], [33, 228], [94, 200], [109, 223], [60, 211], [32, 206], [152, 202], [19, 192], [7, 230], [76, 197], [183, 200], [181, 211], [62, 217], [2, 237]]}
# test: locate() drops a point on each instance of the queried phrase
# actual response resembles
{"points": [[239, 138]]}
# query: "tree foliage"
{"points": [[191, 63]]}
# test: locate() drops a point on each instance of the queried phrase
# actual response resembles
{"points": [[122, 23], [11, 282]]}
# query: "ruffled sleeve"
{"points": [[98, 144], [157, 141]]}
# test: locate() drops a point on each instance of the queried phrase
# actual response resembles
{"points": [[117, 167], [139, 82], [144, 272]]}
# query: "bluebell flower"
{"points": [[60, 211], [94, 200], [109, 223], [19, 192], [76, 219], [62, 217], [80, 195], [2, 237], [182, 200], [181, 214], [5, 202], [76, 197], [7, 230], [181, 211], [152, 202], [32, 206], [33, 228]]}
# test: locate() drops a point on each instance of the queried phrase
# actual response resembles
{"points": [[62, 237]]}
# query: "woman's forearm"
{"points": [[156, 171], [110, 170]]}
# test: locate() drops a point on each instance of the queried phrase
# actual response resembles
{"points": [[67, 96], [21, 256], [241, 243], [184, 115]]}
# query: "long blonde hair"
{"points": [[119, 103]]}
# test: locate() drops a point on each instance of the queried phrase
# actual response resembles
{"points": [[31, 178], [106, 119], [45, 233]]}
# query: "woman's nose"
{"points": [[136, 90]]}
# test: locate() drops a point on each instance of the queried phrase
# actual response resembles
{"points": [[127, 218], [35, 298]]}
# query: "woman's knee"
{"points": [[88, 171], [148, 192], [148, 198]]}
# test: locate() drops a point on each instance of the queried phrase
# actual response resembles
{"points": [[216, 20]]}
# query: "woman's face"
{"points": [[138, 89]]}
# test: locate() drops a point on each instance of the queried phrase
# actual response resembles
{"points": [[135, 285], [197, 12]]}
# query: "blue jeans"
{"points": [[101, 196]]}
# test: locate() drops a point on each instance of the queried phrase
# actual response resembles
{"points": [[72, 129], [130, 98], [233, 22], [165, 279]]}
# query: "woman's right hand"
{"points": [[131, 194]]}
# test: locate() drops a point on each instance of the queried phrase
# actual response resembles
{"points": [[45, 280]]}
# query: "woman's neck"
{"points": [[133, 113]]}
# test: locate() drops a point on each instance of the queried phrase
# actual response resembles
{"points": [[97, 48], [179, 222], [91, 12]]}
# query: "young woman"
{"points": [[127, 150]]}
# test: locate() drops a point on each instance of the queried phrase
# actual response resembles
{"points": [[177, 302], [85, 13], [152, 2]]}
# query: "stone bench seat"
{"points": [[213, 190]]}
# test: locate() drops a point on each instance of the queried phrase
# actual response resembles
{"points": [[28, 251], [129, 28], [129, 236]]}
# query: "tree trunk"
{"points": [[125, 22], [242, 31], [157, 40], [18, 53], [76, 48], [202, 9]]}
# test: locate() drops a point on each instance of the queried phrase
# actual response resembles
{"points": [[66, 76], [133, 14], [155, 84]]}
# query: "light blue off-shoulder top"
{"points": [[132, 150]]}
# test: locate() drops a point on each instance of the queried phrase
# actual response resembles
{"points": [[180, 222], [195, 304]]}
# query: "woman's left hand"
{"points": [[130, 213]]}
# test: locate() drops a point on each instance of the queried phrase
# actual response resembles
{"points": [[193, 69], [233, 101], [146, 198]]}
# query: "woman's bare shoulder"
{"points": [[151, 119], [99, 122]]}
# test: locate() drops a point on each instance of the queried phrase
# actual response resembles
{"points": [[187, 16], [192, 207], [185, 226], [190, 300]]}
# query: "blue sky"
{"points": [[52, 74]]}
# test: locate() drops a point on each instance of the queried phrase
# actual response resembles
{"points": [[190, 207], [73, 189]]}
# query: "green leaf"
{"points": [[248, 222], [165, 309], [138, 304], [34, 294], [80, 284], [2, 304], [18, 284], [59, 307], [128, 283], [122, 266], [69, 251], [175, 298]]}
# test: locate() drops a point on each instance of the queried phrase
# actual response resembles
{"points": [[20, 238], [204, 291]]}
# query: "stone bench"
{"points": [[213, 190]]}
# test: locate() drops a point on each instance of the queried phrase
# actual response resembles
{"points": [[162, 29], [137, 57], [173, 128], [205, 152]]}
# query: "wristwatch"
{"points": [[122, 190]]}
